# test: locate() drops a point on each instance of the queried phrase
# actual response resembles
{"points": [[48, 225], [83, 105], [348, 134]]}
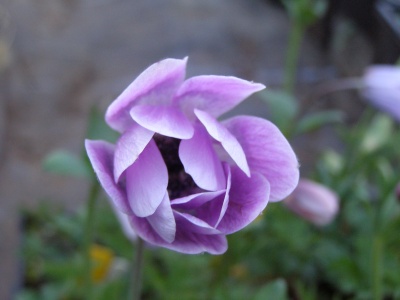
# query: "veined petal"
{"points": [[227, 139], [201, 162], [196, 225], [101, 156], [165, 120], [129, 146], [267, 152], [213, 211], [156, 85], [186, 241], [146, 181], [163, 220], [248, 197], [214, 94], [195, 200]]}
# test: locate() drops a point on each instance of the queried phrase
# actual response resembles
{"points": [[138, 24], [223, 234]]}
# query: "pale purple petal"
{"points": [[195, 224], [123, 220], [382, 89], [146, 181], [195, 200], [156, 85], [165, 120], [186, 241], [214, 94], [382, 76], [101, 155], [267, 152], [129, 146], [163, 220], [227, 140], [248, 197], [213, 211], [201, 162]]}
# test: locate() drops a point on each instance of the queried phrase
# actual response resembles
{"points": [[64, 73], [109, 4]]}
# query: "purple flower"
{"points": [[313, 202], [382, 88], [185, 179]]}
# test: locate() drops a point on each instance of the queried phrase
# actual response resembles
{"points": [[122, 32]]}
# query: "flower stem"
{"points": [[136, 288], [292, 56], [376, 267], [88, 238]]}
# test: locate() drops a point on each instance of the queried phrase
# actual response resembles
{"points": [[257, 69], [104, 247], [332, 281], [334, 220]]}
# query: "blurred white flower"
{"points": [[313, 202]]}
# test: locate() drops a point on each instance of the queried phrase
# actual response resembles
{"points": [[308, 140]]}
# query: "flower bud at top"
{"points": [[313, 202]]}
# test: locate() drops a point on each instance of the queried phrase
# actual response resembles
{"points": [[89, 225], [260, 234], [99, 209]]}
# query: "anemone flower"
{"points": [[184, 179]]}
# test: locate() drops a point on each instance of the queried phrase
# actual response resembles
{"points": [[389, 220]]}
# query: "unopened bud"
{"points": [[313, 202]]}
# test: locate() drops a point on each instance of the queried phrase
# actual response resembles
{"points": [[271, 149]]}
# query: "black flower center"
{"points": [[180, 183]]}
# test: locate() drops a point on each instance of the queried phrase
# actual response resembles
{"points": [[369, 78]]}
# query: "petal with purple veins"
{"points": [[165, 120], [146, 181], [227, 139], [213, 211], [195, 200], [129, 146], [248, 197], [201, 162], [163, 220], [196, 225], [214, 94], [186, 241], [101, 156], [267, 152], [156, 85]]}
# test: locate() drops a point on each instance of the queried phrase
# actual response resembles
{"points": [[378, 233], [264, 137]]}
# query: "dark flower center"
{"points": [[180, 183]]}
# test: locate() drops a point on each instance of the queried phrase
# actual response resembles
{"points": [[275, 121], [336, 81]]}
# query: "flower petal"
{"points": [[248, 197], [227, 140], [213, 211], [267, 152], [123, 220], [101, 156], [196, 225], [129, 146], [201, 162], [195, 200], [186, 241], [214, 94], [163, 220], [146, 181], [165, 120], [156, 85]]}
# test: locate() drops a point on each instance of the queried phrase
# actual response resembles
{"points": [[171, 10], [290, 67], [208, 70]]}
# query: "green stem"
{"points": [[88, 238], [136, 287], [292, 56], [376, 267]]}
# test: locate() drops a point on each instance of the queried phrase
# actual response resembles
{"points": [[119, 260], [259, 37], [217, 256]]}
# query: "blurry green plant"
{"points": [[279, 257], [302, 14]]}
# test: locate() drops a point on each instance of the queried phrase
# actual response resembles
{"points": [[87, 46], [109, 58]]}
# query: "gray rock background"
{"points": [[60, 57]]}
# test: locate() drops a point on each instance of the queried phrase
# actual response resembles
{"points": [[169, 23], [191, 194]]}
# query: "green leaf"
{"points": [[275, 290], [378, 133], [283, 107], [64, 163], [317, 120]]}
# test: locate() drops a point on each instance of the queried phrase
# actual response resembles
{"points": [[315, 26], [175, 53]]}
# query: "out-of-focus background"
{"points": [[60, 57]]}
